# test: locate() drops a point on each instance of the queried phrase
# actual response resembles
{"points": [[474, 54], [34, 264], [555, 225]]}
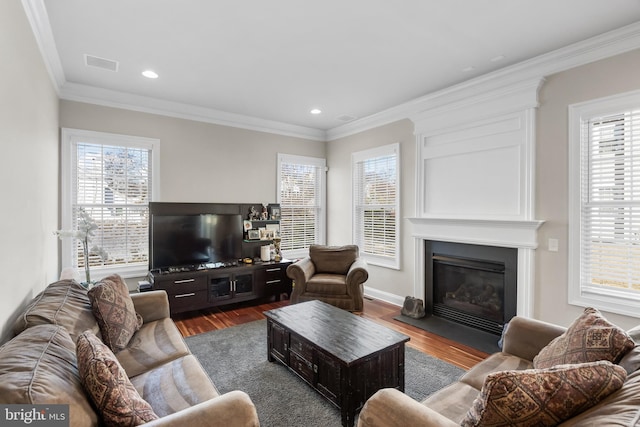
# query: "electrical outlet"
{"points": [[553, 245]]}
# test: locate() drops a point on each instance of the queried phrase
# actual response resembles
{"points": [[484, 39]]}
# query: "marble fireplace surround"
{"points": [[475, 177]]}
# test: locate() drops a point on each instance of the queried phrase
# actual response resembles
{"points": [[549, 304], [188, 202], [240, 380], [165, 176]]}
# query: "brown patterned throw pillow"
{"points": [[543, 397], [116, 399], [113, 309], [589, 338]]}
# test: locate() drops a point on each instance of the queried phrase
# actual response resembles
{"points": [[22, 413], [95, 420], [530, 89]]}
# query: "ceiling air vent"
{"points": [[105, 64], [346, 118]]}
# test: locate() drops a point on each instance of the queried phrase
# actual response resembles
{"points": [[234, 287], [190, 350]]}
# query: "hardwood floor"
{"points": [[375, 310]]}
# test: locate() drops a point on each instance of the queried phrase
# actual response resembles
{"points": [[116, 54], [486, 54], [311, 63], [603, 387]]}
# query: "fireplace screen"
{"points": [[470, 291]]}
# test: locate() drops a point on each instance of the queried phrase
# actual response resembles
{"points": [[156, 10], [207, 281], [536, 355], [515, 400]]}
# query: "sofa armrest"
{"points": [[525, 337], [152, 305], [230, 409], [357, 273], [390, 408]]}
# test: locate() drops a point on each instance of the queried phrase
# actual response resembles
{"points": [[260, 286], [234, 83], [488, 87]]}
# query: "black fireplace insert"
{"points": [[472, 285]]}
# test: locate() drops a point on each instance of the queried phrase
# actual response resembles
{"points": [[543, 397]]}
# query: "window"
{"points": [[111, 178], [376, 206], [301, 194], [604, 221]]}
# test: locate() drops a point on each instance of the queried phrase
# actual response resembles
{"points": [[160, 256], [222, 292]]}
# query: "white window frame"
{"points": [[361, 156], [70, 138], [321, 218], [584, 294]]}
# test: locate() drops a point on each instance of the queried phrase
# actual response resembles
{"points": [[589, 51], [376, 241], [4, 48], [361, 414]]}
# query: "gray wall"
{"points": [[28, 166], [603, 78], [199, 162], [384, 280]]}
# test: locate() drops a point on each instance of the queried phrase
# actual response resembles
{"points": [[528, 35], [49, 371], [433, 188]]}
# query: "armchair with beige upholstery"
{"points": [[332, 274]]}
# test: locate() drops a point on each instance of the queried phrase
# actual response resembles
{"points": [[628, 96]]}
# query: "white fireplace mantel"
{"points": [[491, 232], [519, 234], [475, 177]]}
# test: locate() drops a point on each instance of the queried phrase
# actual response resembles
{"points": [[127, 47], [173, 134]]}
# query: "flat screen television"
{"points": [[193, 239]]}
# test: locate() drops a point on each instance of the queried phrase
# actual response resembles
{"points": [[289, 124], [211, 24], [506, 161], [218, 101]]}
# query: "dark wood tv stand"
{"points": [[206, 288]]}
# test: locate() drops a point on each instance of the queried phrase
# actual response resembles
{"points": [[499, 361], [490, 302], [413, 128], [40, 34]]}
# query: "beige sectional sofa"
{"points": [[524, 339], [39, 365]]}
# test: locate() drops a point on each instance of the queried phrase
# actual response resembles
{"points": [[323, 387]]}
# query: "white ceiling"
{"points": [[276, 60]]}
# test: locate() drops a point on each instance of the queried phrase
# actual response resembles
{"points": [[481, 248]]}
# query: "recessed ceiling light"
{"points": [[316, 111], [150, 74]]}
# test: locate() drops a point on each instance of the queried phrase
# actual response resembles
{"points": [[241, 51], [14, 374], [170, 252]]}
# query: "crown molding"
{"points": [[507, 99], [39, 20], [599, 47], [593, 49], [127, 101]]}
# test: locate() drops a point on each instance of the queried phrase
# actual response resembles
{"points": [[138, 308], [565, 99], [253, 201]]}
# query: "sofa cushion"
{"points": [[114, 311], [155, 344], [453, 401], [39, 367], [107, 384], [543, 397], [631, 361], [175, 386], [63, 303], [590, 338], [327, 284], [634, 333], [621, 408], [333, 259], [477, 375]]}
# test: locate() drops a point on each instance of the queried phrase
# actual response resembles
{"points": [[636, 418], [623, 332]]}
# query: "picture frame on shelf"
{"points": [[247, 225], [266, 234], [274, 211], [253, 234], [275, 228]]}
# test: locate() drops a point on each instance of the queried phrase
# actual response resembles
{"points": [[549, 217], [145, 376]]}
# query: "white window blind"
{"points": [[376, 204], [301, 194], [611, 202], [112, 179]]}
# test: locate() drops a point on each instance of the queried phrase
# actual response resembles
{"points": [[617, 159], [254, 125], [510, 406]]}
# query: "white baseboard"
{"points": [[384, 296]]}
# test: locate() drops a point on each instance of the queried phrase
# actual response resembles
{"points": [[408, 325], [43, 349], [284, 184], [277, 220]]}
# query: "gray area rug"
{"points": [[236, 359]]}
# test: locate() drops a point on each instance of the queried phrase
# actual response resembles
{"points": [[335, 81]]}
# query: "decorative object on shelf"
{"points": [[253, 234], [276, 244], [265, 214], [254, 215], [84, 233], [247, 225], [274, 211], [265, 253]]}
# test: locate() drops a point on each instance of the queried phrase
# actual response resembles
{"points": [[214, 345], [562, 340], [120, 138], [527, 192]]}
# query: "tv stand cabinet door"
{"points": [[220, 288], [244, 284]]}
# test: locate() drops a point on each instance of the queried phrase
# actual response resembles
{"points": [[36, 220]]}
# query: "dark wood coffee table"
{"points": [[346, 358]]}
